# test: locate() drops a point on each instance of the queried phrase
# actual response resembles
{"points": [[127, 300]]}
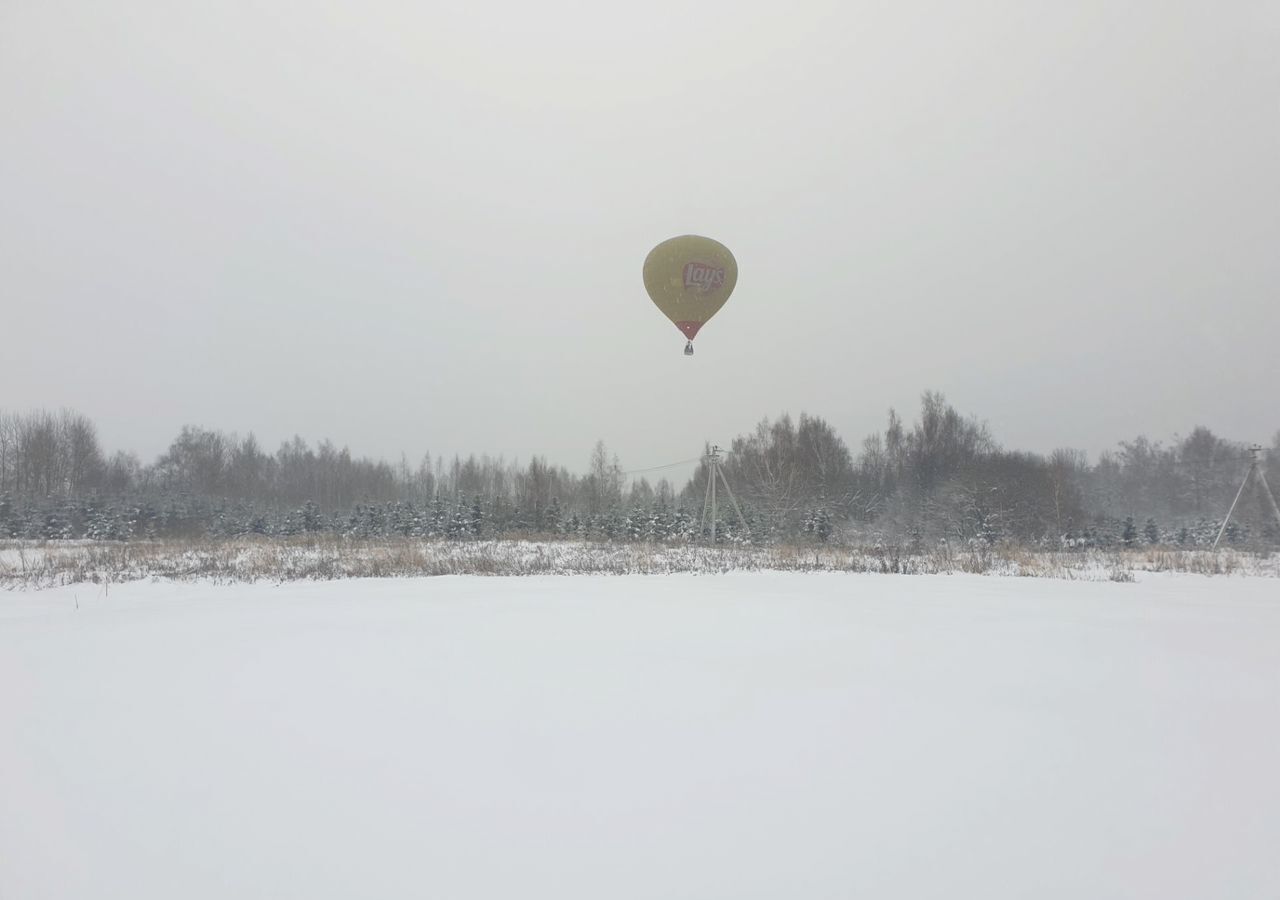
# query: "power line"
{"points": [[683, 462]]}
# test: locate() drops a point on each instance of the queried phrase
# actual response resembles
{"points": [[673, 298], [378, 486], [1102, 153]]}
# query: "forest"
{"points": [[942, 477]]}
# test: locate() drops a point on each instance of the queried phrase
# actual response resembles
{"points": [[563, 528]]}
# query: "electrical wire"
{"points": [[683, 462]]}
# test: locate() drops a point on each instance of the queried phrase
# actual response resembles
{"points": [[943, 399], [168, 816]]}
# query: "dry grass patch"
{"points": [[35, 565]]}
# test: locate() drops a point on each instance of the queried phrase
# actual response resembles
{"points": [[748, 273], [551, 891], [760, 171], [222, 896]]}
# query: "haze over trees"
{"points": [[941, 477]]}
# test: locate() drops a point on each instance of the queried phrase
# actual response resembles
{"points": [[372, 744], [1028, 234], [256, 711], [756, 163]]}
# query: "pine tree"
{"points": [[67, 509], [1271, 531], [519, 522], [375, 521], [1151, 531], [419, 521], [102, 525], [292, 524], [1203, 532], [312, 519], [822, 526], [658, 525], [682, 525], [551, 523], [614, 525], [55, 527], [126, 523], [636, 524], [1129, 536], [146, 521], [458, 523], [438, 525]]}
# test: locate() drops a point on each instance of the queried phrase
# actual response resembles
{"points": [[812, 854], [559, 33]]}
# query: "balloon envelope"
{"points": [[689, 278]]}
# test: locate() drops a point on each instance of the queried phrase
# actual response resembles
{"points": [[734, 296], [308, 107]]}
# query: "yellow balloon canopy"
{"points": [[689, 278]]}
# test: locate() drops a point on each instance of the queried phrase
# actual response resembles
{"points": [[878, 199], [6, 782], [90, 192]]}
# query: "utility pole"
{"points": [[715, 470], [715, 473], [1255, 457]]}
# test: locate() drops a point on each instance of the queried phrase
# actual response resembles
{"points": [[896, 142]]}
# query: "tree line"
{"points": [[942, 477]]}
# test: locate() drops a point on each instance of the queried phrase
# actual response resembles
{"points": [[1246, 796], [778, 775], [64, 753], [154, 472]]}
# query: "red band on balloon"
{"points": [[689, 328]]}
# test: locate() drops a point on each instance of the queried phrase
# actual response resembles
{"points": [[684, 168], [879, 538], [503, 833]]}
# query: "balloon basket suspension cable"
{"points": [[688, 348]]}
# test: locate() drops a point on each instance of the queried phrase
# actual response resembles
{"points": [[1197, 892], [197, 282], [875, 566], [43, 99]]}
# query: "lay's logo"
{"points": [[702, 277]]}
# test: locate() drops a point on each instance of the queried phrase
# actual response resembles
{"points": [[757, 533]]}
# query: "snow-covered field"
{"points": [[755, 735]]}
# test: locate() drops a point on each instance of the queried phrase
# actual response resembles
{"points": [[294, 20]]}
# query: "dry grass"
{"points": [[35, 565]]}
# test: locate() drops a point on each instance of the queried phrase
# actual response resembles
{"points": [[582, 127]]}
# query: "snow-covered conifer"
{"points": [[551, 519], [1151, 531]]}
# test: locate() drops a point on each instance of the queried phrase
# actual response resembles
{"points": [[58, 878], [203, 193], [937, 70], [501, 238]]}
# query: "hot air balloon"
{"points": [[689, 278]]}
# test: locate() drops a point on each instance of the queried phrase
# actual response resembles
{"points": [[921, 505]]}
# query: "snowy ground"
{"points": [[762, 735]]}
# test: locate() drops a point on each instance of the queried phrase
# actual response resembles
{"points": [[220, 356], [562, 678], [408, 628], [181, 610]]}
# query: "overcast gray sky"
{"points": [[419, 226]]}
